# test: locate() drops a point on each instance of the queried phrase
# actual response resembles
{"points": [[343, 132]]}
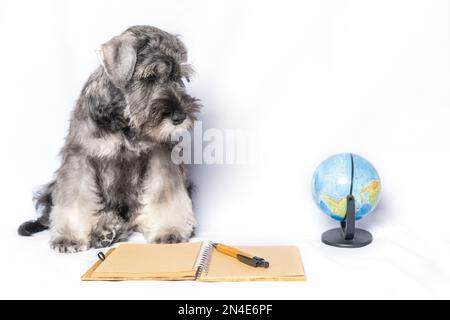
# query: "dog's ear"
{"points": [[118, 57], [187, 71]]}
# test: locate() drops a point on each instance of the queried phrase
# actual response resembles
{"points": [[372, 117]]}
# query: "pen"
{"points": [[243, 257]]}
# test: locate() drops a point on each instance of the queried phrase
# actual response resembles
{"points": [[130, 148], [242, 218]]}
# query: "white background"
{"points": [[314, 78]]}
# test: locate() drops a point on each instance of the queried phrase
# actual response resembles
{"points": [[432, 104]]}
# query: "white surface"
{"points": [[314, 78]]}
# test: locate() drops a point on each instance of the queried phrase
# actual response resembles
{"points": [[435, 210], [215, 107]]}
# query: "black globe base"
{"points": [[347, 236], [336, 238]]}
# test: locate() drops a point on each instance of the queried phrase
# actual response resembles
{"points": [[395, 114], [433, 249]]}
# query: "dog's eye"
{"points": [[166, 113], [149, 79]]}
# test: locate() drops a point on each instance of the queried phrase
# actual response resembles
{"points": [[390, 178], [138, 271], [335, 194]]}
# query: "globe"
{"points": [[342, 175]]}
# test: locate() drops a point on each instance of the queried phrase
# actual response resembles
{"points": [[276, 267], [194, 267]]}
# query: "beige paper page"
{"points": [[149, 261], [285, 265]]}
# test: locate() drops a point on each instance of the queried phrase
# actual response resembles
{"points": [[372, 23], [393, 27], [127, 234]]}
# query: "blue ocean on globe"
{"points": [[342, 175]]}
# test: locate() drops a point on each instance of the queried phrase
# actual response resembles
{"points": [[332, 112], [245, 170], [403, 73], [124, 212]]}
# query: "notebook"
{"points": [[194, 261]]}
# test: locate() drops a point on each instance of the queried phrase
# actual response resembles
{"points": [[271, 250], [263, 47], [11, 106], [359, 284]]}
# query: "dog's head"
{"points": [[149, 66]]}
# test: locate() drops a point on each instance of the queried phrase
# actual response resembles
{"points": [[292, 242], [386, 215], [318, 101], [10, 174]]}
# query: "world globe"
{"points": [[342, 175]]}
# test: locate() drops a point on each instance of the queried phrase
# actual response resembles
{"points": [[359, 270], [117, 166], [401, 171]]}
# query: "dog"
{"points": [[116, 175]]}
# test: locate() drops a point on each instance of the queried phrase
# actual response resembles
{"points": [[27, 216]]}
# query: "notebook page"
{"points": [[285, 264], [142, 261]]}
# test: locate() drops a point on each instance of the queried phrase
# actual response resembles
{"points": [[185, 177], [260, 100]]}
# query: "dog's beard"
{"points": [[166, 130]]}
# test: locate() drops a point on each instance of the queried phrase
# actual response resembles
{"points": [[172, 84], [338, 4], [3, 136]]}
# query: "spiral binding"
{"points": [[203, 258]]}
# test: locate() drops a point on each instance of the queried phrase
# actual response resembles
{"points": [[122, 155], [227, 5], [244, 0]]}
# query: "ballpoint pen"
{"points": [[243, 257]]}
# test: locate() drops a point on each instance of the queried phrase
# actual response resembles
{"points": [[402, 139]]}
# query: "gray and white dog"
{"points": [[117, 175]]}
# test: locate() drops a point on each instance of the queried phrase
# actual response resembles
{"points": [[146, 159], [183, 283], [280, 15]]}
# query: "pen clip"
{"points": [[260, 262]]}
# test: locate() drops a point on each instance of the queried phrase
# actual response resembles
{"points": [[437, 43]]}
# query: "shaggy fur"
{"points": [[116, 175]]}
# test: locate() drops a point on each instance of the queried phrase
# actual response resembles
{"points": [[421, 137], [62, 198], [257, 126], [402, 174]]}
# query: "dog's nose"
{"points": [[178, 118]]}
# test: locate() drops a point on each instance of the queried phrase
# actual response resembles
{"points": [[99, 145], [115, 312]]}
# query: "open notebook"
{"points": [[194, 261]]}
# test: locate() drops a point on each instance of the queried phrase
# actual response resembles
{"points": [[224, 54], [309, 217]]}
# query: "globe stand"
{"points": [[347, 236]]}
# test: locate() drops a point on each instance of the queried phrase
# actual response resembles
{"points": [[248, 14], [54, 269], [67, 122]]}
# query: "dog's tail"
{"points": [[43, 200]]}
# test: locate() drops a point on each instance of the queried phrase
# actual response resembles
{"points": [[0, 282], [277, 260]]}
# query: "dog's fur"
{"points": [[116, 175]]}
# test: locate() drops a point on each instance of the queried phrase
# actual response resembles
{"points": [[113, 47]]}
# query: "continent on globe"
{"points": [[372, 191], [336, 207]]}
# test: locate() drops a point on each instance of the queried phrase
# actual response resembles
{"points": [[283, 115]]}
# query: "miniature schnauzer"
{"points": [[117, 175]]}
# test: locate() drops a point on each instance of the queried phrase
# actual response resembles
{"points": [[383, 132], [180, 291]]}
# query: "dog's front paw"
{"points": [[172, 235], [103, 239], [66, 245]]}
